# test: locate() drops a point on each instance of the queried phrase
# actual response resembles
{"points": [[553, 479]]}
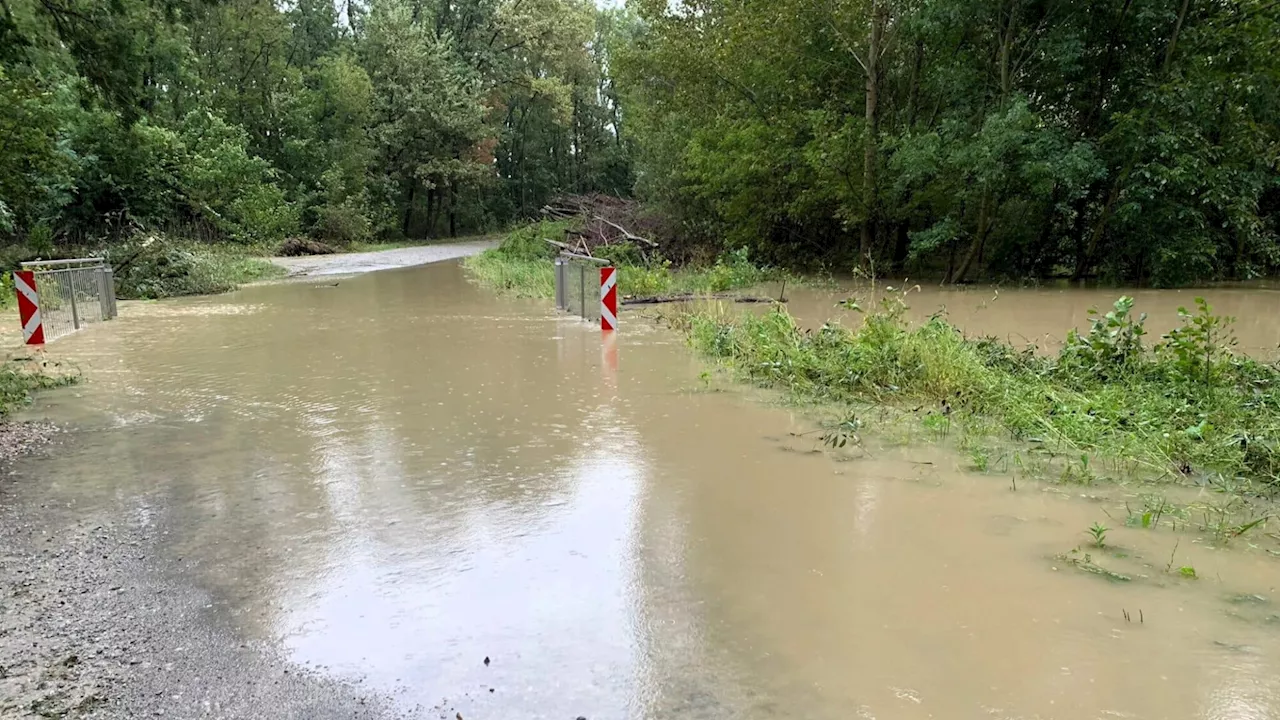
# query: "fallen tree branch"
{"points": [[625, 232], [662, 299]]}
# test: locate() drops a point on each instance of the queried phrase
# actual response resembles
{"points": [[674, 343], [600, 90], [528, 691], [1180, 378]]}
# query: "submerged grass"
{"points": [[19, 378], [1188, 407], [522, 265]]}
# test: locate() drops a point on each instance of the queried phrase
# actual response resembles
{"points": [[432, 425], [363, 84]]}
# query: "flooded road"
{"points": [[398, 477]]}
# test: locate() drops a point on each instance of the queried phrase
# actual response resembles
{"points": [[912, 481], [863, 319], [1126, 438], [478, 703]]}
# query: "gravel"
{"points": [[356, 263], [94, 623]]}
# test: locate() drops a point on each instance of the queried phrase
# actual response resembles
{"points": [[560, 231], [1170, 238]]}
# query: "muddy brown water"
{"points": [[1042, 316], [401, 475]]}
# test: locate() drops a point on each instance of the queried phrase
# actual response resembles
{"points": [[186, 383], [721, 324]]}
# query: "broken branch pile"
{"points": [[601, 221]]}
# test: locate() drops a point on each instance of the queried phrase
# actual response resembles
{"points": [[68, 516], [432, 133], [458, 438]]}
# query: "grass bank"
{"points": [[1185, 408], [522, 265], [19, 378]]}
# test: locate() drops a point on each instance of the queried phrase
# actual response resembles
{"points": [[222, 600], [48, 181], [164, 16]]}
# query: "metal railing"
{"points": [[578, 284], [73, 293]]}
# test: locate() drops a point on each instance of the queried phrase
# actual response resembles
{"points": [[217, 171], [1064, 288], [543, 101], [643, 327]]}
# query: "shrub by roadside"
{"points": [[154, 266]]}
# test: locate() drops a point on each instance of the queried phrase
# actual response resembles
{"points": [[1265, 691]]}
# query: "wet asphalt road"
{"points": [[99, 620], [96, 623]]}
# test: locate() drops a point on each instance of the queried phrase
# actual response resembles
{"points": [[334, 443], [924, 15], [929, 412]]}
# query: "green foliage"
{"points": [[1098, 532], [1101, 397], [530, 242], [18, 379], [1201, 347], [386, 121], [1112, 346], [1134, 141], [157, 267]]}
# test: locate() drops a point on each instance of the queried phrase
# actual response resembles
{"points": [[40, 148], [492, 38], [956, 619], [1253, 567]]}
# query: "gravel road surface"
{"points": [[354, 263]]}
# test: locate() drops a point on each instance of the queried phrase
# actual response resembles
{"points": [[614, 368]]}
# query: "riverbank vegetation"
{"points": [[1184, 408], [20, 377], [522, 265], [1131, 140]]}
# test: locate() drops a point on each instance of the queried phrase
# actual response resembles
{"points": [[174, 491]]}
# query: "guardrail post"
{"points": [[24, 283], [75, 314], [104, 307], [608, 298], [109, 277], [560, 294]]}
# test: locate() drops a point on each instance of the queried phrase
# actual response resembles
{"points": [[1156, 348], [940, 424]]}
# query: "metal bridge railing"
{"points": [[72, 294], [578, 284]]}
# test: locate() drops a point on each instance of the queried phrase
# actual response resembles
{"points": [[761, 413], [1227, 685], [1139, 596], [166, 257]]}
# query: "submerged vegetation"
{"points": [[522, 265], [1185, 407], [19, 378]]}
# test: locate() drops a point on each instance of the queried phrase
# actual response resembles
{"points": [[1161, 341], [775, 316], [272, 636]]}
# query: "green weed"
{"points": [[1099, 534], [1187, 407], [20, 378]]}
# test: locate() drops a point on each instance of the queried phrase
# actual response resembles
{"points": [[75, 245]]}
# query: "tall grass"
{"points": [[18, 379], [1186, 406]]}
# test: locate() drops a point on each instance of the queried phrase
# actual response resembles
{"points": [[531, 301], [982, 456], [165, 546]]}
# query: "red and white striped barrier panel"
{"points": [[608, 298], [24, 282]]}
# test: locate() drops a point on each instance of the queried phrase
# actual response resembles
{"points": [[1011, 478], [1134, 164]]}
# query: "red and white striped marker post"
{"points": [[608, 298], [24, 282]]}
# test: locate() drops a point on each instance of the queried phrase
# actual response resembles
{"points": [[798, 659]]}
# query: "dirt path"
{"points": [[355, 263]]}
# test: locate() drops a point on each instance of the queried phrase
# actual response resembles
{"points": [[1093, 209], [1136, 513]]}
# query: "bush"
{"points": [[343, 224], [530, 242], [153, 266]]}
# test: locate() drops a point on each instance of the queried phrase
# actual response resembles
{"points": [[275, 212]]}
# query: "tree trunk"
{"points": [[1173, 39], [879, 18], [433, 210], [408, 208], [453, 210], [1041, 249], [577, 147], [979, 240], [913, 95], [901, 247], [1085, 260]]}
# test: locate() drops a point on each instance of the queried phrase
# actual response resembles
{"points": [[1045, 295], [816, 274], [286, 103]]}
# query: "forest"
{"points": [[249, 121], [1125, 141]]}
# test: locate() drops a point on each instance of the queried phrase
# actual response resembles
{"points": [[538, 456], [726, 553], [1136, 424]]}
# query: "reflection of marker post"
{"points": [[608, 298], [609, 356]]}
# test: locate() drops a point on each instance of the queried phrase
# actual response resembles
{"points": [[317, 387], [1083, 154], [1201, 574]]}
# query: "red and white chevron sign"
{"points": [[608, 298], [24, 282]]}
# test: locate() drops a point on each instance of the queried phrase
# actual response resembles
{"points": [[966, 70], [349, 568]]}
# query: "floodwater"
{"points": [[401, 475], [1042, 315]]}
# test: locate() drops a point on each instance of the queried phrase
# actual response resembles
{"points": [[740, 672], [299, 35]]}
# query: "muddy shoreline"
{"points": [[97, 621]]}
